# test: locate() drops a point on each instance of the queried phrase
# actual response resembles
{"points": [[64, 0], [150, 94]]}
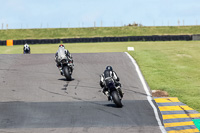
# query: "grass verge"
{"points": [[170, 66], [51, 33]]}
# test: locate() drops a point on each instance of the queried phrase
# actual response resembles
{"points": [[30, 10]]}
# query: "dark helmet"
{"points": [[109, 68], [61, 46]]}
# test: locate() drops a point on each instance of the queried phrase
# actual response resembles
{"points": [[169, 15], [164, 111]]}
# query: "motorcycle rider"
{"points": [[105, 77], [67, 54], [26, 47]]}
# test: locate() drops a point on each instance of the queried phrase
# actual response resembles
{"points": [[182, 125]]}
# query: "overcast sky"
{"points": [[86, 13]]}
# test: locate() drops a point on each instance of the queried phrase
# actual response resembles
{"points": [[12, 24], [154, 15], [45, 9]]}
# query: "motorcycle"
{"points": [[27, 50], [67, 69], [66, 64], [115, 93]]}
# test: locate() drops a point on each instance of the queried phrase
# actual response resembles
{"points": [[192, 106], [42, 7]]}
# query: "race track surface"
{"points": [[35, 98]]}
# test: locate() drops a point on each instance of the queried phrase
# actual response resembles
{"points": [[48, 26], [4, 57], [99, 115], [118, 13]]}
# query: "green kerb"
{"points": [[197, 123]]}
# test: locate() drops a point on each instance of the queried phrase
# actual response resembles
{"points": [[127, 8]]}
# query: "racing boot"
{"points": [[108, 95], [61, 71], [105, 91]]}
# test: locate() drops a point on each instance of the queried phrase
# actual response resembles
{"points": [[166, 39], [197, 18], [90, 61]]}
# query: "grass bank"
{"points": [[170, 66], [17, 34]]}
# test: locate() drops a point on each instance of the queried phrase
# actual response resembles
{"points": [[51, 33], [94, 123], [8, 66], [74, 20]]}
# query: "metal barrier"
{"points": [[196, 37]]}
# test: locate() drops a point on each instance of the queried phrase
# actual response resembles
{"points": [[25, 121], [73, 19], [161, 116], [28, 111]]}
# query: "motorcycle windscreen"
{"points": [[61, 54]]}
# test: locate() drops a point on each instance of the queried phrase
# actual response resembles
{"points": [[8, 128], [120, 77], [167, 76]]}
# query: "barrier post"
{"points": [[9, 42]]}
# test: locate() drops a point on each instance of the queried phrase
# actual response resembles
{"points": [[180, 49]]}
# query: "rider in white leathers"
{"points": [[59, 54]]}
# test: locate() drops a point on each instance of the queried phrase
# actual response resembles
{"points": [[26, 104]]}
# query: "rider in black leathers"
{"points": [[109, 73], [26, 48]]}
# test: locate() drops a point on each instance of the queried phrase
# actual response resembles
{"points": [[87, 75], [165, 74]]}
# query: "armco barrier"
{"points": [[196, 37], [106, 39]]}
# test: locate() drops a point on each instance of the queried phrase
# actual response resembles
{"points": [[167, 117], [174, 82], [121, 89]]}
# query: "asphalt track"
{"points": [[35, 98]]}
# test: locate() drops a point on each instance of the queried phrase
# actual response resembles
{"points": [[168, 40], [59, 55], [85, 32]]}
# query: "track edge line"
{"points": [[149, 97]]}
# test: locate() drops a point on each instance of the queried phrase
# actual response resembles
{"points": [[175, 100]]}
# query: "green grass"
{"points": [[171, 66], [73, 48], [17, 34]]}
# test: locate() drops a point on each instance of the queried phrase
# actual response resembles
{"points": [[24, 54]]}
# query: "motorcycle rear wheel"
{"points": [[116, 99], [66, 73]]}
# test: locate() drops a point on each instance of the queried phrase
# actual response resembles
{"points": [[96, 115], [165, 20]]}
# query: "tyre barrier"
{"points": [[103, 39], [2, 43]]}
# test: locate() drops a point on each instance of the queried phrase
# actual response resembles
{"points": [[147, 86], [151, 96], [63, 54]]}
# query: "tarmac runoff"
{"points": [[178, 117]]}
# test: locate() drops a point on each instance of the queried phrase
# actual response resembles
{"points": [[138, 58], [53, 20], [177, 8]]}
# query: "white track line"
{"points": [[149, 97]]}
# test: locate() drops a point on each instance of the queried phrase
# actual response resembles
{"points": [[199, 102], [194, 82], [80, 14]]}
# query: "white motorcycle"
{"points": [[66, 64]]}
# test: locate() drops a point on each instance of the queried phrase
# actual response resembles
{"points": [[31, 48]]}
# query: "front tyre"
{"points": [[116, 99], [66, 73]]}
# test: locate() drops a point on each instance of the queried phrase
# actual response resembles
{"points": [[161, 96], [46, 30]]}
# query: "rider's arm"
{"points": [[101, 81], [115, 77], [67, 53], [69, 56], [56, 55]]}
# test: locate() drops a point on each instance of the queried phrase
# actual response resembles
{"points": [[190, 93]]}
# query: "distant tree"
{"points": [[135, 24]]}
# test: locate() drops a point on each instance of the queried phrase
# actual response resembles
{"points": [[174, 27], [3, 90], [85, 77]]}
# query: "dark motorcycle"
{"points": [[114, 92], [67, 68], [27, 50]]}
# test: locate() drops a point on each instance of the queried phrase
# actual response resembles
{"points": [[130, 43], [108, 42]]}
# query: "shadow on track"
{"points": [[64, 79]]}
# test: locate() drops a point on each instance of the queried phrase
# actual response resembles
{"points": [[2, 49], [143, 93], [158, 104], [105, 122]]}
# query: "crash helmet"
{"points": [[26, 45], [109, 68], [61, 46]]}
